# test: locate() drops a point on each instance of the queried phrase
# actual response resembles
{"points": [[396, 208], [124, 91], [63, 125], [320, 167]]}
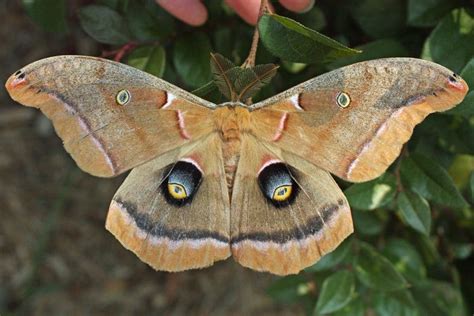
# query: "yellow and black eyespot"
{"points": [[277, 184], [182, 182], [123, 97], [343, 100], [282, 193], [177, 191]]}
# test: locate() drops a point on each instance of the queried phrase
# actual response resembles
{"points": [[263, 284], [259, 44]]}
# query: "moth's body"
{"points": [[231, 121], [210, 181]]}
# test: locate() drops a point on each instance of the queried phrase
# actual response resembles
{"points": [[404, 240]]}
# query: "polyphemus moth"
{"points": [[214, 180]]}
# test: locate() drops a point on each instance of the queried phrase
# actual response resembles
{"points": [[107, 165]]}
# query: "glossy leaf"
{"points": [[104, 24], [436, 298], [50, 14], [460, 170], [395, 303], [466, 108], [462, 250], [376, 271], [377, 49], [380, 21], [292, 41], [151, 59], [143, 26], [367, 223], [406, 259], [332, 259], [205, 90], [450, 43], [286, 289], [426, 13], [313, 19], [191, 59], [356, 307], [471, 187], [415, 211], [336, 292], [425, 177], [372, 194]]}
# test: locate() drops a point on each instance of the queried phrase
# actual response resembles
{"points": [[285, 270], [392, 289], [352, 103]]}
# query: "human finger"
{"points": [[246, 9], [192, 12], [297, 5]]}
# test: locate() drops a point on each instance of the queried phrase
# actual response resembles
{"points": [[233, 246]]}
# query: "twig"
{"points": [[250, 61], [119, 53]]}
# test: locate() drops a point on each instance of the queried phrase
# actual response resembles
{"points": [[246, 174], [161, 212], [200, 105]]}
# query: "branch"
{"points": [[250, 61]]}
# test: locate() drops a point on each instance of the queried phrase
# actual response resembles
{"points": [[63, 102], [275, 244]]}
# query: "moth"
{"points": [[210, 181]]}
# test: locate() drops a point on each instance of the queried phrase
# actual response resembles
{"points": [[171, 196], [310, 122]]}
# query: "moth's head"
{"points": [[232, 104]]}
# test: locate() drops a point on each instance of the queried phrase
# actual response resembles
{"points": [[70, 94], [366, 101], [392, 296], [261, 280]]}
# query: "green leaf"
{"points": [[471, 187], [460, 169], [456, 136], [336, 292], [406, 259], [237, 83], [395, 303], [147, 21], [313, 19], [117, 5], [250, 80], [355, 308], [376, 271], [427, 13], [292, 41], [415, 211], [191, 59], [50, 14], [205, 90], [220, 67], [151, 58], [436, 298], [380, 20], [286, 290], [462, 250], [466, 107], [332, 259], [428, 250], [450, 43], [143, 26], [373, 194], [367, 223], [377, 49], [104, 24], [224, 41], [425, 177]]}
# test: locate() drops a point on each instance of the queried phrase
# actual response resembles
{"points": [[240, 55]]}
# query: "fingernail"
{"points": [[299, 6], [192, 12]]}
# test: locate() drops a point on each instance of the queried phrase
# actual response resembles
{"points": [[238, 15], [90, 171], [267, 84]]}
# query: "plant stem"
{"points": [[250, 61]]}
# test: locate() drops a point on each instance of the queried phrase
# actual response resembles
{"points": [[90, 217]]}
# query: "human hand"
{"points": [[193, 12]]}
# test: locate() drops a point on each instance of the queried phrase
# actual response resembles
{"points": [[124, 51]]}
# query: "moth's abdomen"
{"points": [[230, 123]]}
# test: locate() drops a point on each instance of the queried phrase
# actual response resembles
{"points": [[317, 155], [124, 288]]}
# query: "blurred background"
{"points": [[56, 258]]}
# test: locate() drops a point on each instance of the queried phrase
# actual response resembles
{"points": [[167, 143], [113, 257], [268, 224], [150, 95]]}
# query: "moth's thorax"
{"points": [[230, 122]]}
